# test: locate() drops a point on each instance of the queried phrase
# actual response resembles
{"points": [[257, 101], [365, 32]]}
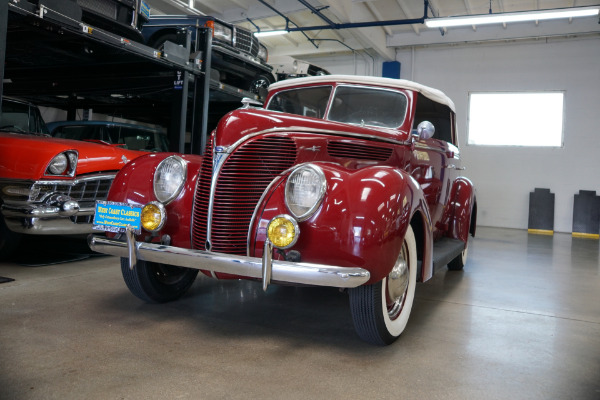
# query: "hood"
{"points": [[243, 122], [27, 156]]}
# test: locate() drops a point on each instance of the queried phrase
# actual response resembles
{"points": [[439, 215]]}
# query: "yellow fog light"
{"points": [[283, 231], [153, 216]]}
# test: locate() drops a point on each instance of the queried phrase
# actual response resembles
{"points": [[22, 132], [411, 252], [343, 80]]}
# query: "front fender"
{"points": [[361, 222], [134, 185]]}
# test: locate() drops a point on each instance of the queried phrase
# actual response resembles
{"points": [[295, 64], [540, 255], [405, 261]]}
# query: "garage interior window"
{"points": [[516, 119]]}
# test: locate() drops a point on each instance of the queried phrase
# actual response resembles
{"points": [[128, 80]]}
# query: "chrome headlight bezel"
{"points": [[316, 190], [63, 164], [295, 227], [164, 171], [161, 211]]}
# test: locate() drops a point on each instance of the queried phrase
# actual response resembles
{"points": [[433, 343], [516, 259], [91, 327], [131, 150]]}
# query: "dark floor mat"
{"points": [[4, 280]]}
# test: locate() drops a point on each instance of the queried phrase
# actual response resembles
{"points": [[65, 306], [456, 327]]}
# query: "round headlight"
{"points": [[153, 216], [58, 165], [283, 231], [304, 191], [169, 178]]}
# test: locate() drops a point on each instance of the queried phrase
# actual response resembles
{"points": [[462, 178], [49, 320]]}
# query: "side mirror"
{"points": [[247, 102], [425, 130]]}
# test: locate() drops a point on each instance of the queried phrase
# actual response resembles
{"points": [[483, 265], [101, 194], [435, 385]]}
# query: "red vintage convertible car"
{"points": [[49, 186], [341, 181]]}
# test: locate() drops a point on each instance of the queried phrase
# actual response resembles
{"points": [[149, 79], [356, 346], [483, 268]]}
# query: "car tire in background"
{"points": [[157, 283]]}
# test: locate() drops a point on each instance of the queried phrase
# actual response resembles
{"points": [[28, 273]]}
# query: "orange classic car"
{"points": [[49, 186]]}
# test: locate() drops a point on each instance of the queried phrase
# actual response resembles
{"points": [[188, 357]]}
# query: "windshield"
{"points": [[310, 102], [131, 138], [368, 106], [351, 104], [21, 117]]}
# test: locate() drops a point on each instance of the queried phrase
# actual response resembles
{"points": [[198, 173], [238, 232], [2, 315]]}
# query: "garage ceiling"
{"points": [[378, 41]]}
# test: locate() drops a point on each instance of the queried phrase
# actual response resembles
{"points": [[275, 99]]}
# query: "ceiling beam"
{"points": [[408, 15], [370, 37]]}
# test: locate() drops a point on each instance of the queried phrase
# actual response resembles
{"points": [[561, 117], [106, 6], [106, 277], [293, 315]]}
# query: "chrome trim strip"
{"points": [[251, 267], [218, 162], [260, 202], [43, 226], [423, 146], [41, 211], [71, 182]]}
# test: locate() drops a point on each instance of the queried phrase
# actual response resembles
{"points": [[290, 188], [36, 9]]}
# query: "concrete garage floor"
{"points": [[521, 322]]}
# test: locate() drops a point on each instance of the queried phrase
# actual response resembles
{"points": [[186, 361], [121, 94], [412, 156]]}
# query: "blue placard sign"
{"points": [[116, 217]]}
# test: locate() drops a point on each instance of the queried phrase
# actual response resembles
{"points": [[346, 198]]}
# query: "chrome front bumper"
{"points": [[47, 220], [251, 267]]}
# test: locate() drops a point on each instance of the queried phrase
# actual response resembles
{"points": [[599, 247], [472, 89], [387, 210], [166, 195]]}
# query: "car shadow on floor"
{"points": [[230, 309], [42, 250]]}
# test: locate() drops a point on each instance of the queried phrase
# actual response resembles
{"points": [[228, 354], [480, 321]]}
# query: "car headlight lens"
{"points": [[153, 216], [283, 231], [222, 32], [64, 163], [263, 53], [59, 164], [304, 191], [169, 178]]}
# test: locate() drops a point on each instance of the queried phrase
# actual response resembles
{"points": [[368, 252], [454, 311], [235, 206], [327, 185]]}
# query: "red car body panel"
{"points": [[27, 156]]}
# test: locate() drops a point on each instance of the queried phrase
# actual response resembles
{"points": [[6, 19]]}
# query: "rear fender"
{"points": [[361, 222], [464, 210]]}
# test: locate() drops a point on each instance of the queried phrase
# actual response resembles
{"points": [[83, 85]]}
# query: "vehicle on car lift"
{"points": [[286, 67], [49, 186], [342, 181], [237, 55], [123, 17]]}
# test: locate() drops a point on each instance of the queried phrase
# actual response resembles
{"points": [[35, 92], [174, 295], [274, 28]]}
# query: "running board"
{"points": [[444, 251]]}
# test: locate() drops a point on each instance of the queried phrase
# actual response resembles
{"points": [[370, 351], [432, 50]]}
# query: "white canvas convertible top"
{"points": [[431, 93]]}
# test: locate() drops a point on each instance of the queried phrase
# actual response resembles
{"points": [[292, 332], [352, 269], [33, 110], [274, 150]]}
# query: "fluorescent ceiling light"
{"points": [[512, 17], [269, 33]]}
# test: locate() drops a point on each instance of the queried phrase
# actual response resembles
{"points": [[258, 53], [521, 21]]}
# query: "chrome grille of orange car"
{"points": [[241, 182], [359, 151], [83, 190], [245, 41]]}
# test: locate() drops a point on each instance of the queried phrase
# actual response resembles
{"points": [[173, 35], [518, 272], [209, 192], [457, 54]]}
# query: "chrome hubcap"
{"points": [[397, 284]]}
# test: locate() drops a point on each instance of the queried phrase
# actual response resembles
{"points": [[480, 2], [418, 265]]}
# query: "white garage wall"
{"points": [[504, 176]]}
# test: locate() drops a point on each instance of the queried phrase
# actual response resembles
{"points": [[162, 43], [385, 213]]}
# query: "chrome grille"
{"points": [[358, 151], [245, 41], [88, 190], [241, 182]]}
